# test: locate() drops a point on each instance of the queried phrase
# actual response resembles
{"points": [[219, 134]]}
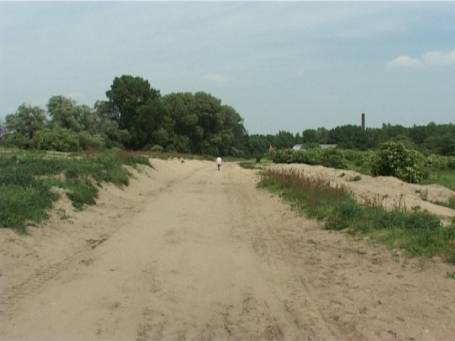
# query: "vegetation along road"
{"points": [[186, 252]]}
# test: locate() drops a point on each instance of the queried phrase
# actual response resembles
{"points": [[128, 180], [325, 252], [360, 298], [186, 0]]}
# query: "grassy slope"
{"points": [[27, 179], [418, 233]]}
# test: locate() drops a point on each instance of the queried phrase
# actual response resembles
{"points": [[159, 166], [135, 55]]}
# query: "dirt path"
{"points": [[207, 256]]}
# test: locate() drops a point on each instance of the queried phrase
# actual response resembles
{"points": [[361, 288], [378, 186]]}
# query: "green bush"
{"points": [[282, 156], [16, 140], [394, 159], [59, 139], [88, 141], [334, 159], [156, 148], [314, 156]]}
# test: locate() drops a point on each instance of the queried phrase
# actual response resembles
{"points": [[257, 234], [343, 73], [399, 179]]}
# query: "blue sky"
{"points": [[282, 65]]}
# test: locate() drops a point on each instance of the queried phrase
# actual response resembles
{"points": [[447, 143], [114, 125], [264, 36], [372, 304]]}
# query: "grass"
{"points": [[174, 155], [442, 177], [417, 232], [27, 179]]}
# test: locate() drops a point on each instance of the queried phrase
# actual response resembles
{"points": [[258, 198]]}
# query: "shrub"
{"points": [[394, 159], [16, 140], [156, 148], [334, 159], [282, 156], [62, 140], [88, 141], [314, 156]]}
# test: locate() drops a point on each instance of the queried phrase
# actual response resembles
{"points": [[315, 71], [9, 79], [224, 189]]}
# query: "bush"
{"points": [[314, 156], [282, 156], [62, 140], [156, 148], [394, 159], [16, 140], [88, 141], [334, 159]]}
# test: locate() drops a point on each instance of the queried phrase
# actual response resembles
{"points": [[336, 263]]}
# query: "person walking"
{"points": [[219, 162]]}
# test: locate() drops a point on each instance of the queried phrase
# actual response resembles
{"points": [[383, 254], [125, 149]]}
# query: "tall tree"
{"points": [[65, 113], [136, 107]]}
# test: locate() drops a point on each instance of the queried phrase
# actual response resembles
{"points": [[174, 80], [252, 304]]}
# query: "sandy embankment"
{"points": [[387, 191]]}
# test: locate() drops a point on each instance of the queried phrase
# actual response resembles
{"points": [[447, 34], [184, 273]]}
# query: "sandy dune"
{"points": [[187, 252], [387, 191]]}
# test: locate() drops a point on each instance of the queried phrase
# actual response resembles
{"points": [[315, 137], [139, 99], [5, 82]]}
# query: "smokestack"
{"points": [[363, 121]]}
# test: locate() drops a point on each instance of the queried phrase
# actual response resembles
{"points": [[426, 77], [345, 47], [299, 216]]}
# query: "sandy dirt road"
{"points": [[207, 256]]}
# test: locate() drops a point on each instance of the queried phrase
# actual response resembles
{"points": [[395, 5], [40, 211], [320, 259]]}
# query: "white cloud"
{"points": [[438, 58], [216, 78], [404, 61]]}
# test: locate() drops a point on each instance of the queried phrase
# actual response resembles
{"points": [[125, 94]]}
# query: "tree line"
{"points": [[135, 115]]}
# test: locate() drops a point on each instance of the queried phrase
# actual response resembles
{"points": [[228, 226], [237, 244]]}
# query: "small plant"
{"points": [[451, 275]]}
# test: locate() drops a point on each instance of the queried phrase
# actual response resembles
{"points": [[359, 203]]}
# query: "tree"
{"points": [[65, 113], [310, 136], [126, 95], [202, 124], [136, 107], [26, 121], [258, 146], [2, 130], [284, 139]]}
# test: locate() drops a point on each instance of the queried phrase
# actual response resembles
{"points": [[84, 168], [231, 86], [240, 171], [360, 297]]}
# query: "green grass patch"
{"points": [[27, 178], [417, 232], [442, 177]]}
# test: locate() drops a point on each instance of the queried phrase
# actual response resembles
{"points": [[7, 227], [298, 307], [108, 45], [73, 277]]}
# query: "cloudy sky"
{"points": [[282, 65]]}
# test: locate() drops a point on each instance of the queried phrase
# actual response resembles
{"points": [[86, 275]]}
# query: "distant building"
{"points": [[322, 146], [328, 146]]}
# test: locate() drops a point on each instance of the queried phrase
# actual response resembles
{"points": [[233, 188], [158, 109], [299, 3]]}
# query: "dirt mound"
{"points": [[388, 192]]}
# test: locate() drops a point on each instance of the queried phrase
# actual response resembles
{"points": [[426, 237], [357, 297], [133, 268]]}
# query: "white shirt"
{"points": [[219, 161]]}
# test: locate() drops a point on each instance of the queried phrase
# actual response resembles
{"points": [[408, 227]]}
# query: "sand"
{"points": [[186, 252]]}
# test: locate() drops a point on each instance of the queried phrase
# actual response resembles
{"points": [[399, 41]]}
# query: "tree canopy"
{"points": [[135, 115]]}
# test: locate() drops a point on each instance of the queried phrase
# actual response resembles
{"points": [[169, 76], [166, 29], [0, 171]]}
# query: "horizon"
{"points": [[282, 66]]}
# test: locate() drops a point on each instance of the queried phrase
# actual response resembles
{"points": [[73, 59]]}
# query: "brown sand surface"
{"points": [[186, 252]]}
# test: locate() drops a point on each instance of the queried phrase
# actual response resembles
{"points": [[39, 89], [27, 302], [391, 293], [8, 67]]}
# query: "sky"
{"points": [[281, 65]]}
